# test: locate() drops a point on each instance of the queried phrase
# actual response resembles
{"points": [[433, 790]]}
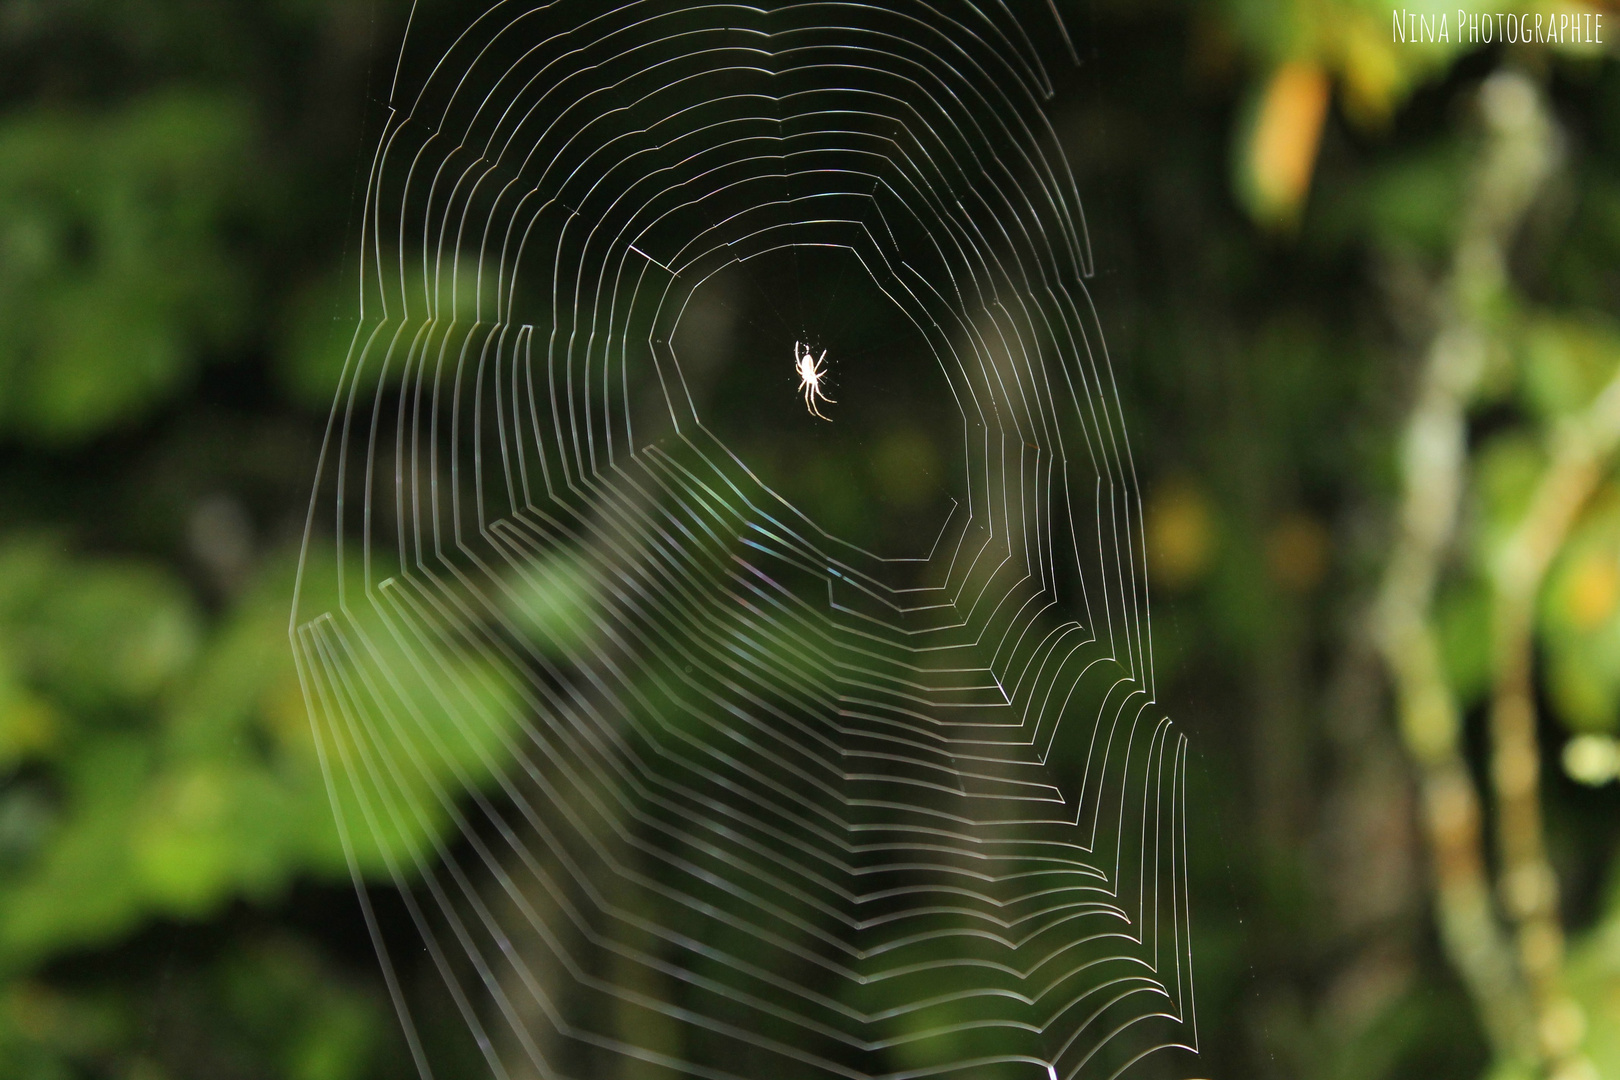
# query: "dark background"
{"points": [[1288, 211]]}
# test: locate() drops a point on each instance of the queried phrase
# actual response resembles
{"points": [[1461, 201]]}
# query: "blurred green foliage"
{"points": [[176, 218], [119, 268]]}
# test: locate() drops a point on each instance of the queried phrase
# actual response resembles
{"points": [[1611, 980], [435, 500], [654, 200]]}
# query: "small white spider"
{"points": [[810, 374]]}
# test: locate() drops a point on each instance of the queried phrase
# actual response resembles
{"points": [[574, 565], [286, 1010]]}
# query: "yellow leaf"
{"points": [[1284, 140]]}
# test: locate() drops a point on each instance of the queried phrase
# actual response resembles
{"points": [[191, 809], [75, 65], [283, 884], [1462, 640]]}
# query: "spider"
{"points": [[810, 374]]}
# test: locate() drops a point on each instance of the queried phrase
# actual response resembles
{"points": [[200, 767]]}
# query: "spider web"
{"points": [[703, 737]]}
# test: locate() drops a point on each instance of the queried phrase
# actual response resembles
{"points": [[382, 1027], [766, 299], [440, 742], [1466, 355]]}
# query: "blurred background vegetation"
{"points": [[1363, 300]]}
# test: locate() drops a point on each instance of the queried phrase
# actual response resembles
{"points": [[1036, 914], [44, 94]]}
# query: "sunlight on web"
{"points": [[775, 747]]}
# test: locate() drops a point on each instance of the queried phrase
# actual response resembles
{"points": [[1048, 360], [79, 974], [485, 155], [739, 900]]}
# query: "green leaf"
{"points": [[88, 635], [1567, 361], [81, 891], [1580, 621], [119, 271], [1508, 468]]}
